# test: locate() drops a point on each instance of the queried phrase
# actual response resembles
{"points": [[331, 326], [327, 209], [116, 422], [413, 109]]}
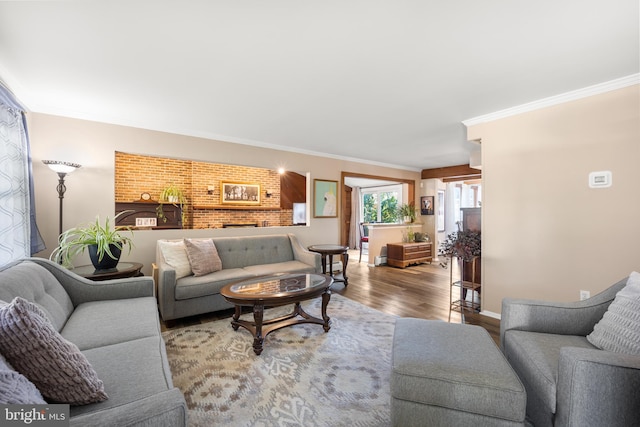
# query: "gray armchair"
{"points": [[569, 382]]}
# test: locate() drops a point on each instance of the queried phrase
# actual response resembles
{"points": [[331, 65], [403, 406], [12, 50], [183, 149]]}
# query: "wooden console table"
{"points": [[404, 254]]}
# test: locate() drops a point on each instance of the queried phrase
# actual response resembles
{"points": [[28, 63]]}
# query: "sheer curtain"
{"points": [[450, 225], [354, 233], [19, 236]]}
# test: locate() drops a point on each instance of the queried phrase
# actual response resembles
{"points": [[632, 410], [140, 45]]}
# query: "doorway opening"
{"points": [[350, 180]]}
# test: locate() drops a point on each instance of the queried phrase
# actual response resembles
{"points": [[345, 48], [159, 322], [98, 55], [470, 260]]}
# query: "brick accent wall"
{"points": [[136, 174]]}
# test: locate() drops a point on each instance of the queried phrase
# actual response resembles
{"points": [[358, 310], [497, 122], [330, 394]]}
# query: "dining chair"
{"points": [[364, 239]]}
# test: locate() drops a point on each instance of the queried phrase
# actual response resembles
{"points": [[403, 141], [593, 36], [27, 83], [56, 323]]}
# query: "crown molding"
{"points": [[556, 99]]}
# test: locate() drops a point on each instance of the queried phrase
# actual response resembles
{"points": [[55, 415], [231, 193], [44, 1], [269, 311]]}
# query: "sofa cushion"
{"points": [[99, 323], [280, 267], [56, 366], [203, 256], [15, 388], [131, 370], [619, 329], [534, 356], [239, 252], [175, 254], [210, 284], [35, 283]]}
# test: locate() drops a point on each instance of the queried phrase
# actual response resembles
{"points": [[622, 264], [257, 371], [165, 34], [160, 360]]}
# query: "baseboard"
{"points": [[491, 314]]}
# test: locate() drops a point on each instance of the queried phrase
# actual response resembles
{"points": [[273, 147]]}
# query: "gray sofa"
{"points": [[242, 257], [569, 381], [115, 324]]}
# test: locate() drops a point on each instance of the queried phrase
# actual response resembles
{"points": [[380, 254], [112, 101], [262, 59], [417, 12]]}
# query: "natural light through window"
{"points": [[466, 196], [380, 204]]}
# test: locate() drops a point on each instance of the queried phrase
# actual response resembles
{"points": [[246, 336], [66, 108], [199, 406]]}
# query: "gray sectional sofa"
{"points": [[116, 327], [182, 293]]}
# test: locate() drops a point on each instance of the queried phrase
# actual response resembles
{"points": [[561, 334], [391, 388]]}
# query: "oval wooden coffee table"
{"points": [[277, 290]]}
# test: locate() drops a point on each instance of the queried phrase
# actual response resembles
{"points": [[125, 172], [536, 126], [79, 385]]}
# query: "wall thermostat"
{"points": [[600, 179]]}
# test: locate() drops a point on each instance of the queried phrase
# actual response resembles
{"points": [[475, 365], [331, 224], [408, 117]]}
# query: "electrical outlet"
{"points": [[584, 295]]}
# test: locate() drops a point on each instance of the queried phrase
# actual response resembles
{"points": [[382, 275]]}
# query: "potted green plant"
{"points": [[409, 236], [407, 211], [104, 243], [174, 195]]}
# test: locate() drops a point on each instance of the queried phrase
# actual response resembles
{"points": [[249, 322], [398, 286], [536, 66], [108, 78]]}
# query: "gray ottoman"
{"points": [[447, 374]]}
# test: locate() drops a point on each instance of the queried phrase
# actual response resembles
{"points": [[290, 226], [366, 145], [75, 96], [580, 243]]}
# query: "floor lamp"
{"points": [[62, 169]]}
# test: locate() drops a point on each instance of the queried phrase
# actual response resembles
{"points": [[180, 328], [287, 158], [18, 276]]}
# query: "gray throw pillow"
{"points": [[35, 349], [203, 256], [619, 329], [15, 388]]}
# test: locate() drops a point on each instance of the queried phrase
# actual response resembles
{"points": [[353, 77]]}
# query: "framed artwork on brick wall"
{"points": [[239, 193]]}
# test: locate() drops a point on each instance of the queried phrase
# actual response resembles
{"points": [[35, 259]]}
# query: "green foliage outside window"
{"points": [[370, 207], [388, 207]]}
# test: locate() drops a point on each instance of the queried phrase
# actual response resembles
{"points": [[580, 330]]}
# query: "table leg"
{"points": [[324, 264], [331, 265], [325, 301], [345, 257], [236, 316], [258, 339]]}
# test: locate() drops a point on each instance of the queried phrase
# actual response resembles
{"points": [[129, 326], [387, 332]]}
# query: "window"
{"points": [[465, 196], [457, 196], [379, 204]]}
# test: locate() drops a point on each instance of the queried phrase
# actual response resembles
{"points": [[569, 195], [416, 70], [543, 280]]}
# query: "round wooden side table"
{"points": [[122, 270], [328, 251]]}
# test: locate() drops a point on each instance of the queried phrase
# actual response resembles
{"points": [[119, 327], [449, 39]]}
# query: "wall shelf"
{"points": [[172, 214], [236, 208]]}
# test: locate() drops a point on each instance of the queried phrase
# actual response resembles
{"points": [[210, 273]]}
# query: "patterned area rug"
{"points": [[304, 376]]}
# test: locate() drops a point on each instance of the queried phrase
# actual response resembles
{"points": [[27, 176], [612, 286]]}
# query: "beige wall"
{"points": [[546, 234], [90, 190]]}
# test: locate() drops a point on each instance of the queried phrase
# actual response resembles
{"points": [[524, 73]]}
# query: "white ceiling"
{"points": [[386, 81]]}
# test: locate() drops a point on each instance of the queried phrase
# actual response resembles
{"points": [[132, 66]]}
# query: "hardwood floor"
{"points": [[420, 291]]}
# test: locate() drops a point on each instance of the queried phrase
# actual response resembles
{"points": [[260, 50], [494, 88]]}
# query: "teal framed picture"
{"points": [[325, 198]]}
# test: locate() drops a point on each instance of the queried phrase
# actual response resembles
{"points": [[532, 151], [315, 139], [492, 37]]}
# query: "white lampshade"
{"points": [[61, 167]]}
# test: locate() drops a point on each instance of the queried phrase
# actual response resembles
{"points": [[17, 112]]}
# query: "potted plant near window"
{"points": [[104, 243], [174, 195], [407, 211]]}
